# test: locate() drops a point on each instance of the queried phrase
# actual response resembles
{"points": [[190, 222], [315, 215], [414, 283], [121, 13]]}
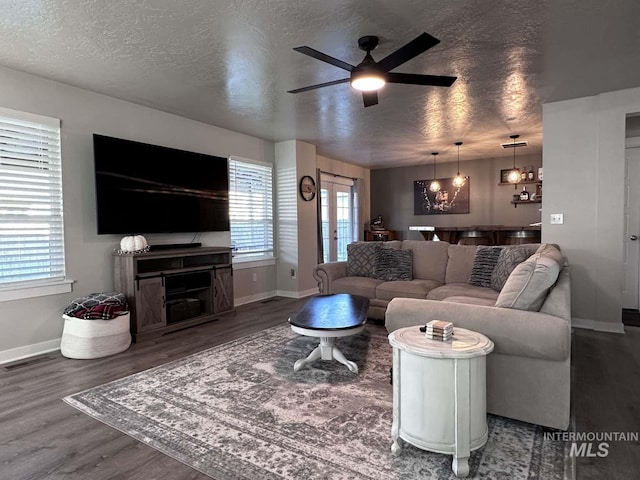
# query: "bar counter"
{"points": [[483, 234]]}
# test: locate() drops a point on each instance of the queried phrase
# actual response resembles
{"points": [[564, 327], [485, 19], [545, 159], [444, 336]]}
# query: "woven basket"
{"points": [[94, 338]]}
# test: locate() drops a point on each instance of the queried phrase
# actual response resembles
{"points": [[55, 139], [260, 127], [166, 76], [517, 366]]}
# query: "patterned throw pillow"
{"points": [[392, 265], [361, 258], [484, 263], [509, 259]]}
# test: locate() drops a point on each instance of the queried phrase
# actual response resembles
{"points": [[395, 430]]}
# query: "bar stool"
{"points": [[475, 237], [519, 237]]}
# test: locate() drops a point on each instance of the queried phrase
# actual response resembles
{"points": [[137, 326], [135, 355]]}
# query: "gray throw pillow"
{"points": [[509, 258], [361, 258], [392, 265], [484, 263]]}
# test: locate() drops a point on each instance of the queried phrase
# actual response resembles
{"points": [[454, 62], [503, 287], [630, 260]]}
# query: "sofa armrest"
{"points": [[326, 273], [514, 332]]}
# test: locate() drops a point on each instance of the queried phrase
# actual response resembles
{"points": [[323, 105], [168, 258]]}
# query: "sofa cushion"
{"points": [[484, 264], [391, 264], [487, 302], [514, 332], [395, 244], [528, 285], [510, 258], [429, 259], [460, 263], [461, 290], [361, 257], [363, 286], [415, 288]]}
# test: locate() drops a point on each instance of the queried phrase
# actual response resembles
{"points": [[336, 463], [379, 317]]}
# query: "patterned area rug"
{"points": [[239, 411]]}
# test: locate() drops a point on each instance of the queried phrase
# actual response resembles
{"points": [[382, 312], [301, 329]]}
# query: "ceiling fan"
{"points": [[369, 76]]}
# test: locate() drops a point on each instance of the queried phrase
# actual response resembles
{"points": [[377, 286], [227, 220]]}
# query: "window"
{"points": [[251, 209], [31, 228]]}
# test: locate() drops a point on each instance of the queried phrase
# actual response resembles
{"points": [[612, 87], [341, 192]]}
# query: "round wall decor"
{"points": [[307, 188]]}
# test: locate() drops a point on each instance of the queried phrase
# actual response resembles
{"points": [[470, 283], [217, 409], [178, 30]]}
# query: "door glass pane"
{"points": [[324, 204], [344, 230]]}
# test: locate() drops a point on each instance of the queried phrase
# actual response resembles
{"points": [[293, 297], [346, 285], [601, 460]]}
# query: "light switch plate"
{"points": [[557, 219]]}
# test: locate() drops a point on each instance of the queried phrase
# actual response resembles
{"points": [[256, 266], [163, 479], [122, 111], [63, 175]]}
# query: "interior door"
{"points": [[630, 289], [337, 220]]}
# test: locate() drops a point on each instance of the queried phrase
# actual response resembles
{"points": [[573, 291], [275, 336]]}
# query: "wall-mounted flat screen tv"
{"points": [[142, 188]]}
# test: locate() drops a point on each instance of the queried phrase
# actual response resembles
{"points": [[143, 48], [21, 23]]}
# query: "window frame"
{"points": [[56, 283], [267, 257]]}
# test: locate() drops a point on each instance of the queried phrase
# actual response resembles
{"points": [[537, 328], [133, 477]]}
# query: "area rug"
{"points": [[239, 411]]}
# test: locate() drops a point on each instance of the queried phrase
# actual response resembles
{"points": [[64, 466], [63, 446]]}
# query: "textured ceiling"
{"points": [[229, 63]]}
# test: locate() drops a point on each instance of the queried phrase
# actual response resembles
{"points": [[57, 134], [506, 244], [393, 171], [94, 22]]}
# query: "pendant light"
{"points": [[435, 185], [514, 174], [459, 180]]}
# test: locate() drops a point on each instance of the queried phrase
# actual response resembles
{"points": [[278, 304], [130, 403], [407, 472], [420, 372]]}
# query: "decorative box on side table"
{"points": [[439, 393]]}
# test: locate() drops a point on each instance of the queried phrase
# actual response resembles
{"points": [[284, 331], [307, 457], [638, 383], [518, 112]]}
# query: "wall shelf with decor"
{"points": [[521, 202], [524, 182]]}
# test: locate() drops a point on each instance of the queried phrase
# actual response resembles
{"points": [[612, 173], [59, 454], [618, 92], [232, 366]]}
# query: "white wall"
{"points": [[584, 164], [35, 324]]}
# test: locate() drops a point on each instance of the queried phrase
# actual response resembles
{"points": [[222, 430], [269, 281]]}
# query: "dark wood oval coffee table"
{"points": [[330, 317]]}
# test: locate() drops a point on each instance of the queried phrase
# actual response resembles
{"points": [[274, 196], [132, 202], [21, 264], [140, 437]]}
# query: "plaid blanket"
{"points": [[98, 306]]}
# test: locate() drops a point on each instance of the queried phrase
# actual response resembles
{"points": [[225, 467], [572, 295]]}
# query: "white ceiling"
{"points": [[230, 63]]}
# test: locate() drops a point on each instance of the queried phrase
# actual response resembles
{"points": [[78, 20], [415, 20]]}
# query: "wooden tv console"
{"points": [[168, 290]]}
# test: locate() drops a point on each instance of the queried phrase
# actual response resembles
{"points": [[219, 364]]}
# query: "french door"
{"points": [[338, 222]]}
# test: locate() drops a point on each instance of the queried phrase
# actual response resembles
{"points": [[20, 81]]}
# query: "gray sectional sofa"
{"points": [[529, 321]]}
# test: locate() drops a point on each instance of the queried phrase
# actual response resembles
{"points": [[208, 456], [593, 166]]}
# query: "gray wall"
{"points": [[35, 324], [584, 146], [392, 195]]}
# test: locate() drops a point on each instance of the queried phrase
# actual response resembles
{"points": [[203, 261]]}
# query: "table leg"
{"points": [[314, 355], [460, 464], [326, 351], [338, 355], [396, 446]]}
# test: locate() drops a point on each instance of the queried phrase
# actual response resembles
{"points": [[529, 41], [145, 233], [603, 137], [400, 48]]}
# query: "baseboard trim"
{"points": [[14, 354], [596, 325], [302, 294], [254, 298]]}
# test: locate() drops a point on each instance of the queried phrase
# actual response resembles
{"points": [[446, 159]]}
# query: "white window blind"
{"points": [[31, 228], [251, 208]]}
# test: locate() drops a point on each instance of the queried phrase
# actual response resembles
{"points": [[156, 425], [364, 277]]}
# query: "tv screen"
{"points": [[142, 188]]}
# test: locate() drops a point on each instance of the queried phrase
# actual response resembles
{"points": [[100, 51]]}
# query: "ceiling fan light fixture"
{"points": [[368, 83], [366, 77]]}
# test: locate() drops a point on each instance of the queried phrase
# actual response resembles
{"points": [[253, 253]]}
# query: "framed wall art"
{"points": [[447, 200]]}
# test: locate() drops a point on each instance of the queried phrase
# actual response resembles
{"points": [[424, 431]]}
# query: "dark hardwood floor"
{"points": [[41, 437]]}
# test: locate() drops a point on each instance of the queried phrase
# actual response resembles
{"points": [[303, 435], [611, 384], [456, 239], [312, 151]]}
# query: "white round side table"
{"points": [[439, 393]]}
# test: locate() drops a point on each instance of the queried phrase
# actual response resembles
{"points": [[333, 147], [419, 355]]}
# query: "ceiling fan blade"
{"points": [[416, 79], [323, 57], [415, 47], [370, 98], [319, 85]]}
